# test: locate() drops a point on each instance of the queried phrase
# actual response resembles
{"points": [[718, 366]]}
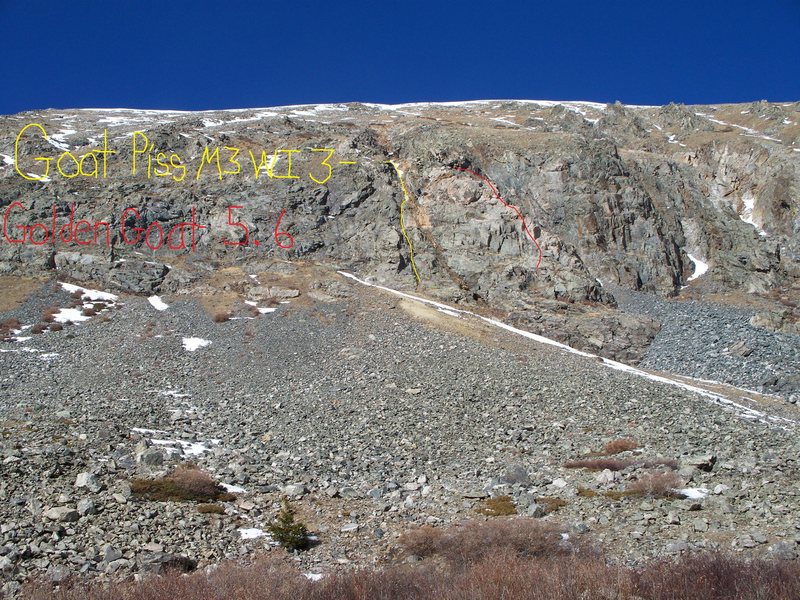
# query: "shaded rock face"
{"points": [[614, 194]]}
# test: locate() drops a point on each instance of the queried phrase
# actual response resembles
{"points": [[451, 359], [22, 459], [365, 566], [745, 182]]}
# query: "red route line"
{"points": [[511, 206]]}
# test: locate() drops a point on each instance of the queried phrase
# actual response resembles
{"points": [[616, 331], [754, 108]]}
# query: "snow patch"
{"points": [[700, 268], [693, 493], [187, 448], [233, 489], [746, 215], [314, 576], [70, 315], [158, 303], [89, 293], [251, 533], [193, 343]]}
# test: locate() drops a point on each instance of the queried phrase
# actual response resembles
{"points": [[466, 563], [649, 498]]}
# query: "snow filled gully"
{"points": [[739, 409]]}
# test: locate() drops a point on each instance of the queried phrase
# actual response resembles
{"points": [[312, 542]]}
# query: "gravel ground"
{"points": [[374, 415], [700, 339]]}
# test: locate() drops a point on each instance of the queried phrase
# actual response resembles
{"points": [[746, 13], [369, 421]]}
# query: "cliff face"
{"points": [[638, 197]]}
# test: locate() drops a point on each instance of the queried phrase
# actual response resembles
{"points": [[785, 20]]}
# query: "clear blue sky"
{"points": [[226, 54]]}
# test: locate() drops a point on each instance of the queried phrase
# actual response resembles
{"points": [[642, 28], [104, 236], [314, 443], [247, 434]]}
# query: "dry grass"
{"points": [[619, 464], [550, 504], [211, 509], [656, 485], [148, 331], [501, 506], [185, 483], [620, 445], [473, 541], [49, 314], [600, 464], [14, 290], [498, 563], [7, 326]]}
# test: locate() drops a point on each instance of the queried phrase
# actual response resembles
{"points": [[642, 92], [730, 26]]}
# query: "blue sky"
{"points": [[227, 54]]}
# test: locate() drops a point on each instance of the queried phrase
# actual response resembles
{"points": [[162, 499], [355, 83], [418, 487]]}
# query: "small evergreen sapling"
{"points": [[288, 533]]}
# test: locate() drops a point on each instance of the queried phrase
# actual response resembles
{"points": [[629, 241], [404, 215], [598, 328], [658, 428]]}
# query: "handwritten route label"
{"points": [[148, 161]]}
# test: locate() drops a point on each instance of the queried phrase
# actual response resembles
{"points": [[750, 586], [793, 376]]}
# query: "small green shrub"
{"points": [[289, 533]]}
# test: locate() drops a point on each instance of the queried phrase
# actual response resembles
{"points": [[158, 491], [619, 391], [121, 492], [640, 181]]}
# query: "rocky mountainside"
{"points": [[344, 305], [645, 198]]}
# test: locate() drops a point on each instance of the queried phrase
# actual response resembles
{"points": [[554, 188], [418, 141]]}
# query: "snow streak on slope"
{"points": [[739, 409]]}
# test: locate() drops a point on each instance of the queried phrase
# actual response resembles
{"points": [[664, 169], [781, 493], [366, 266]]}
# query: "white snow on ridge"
{"points": [[158, 303], [700, 268], [193, 343], [130, 113]]}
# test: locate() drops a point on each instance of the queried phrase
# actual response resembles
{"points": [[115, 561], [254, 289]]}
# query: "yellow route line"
{"points": [[402, 226]]}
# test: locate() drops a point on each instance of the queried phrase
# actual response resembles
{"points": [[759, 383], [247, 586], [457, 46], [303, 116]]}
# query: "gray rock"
{"points": [[700, 525], [152, 457], [86, 507], [110, 553], [294, 489], [783, 551], [88, 481], [702, 462], [62, 513]]}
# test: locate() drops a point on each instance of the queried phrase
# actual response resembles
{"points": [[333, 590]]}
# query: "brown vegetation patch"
{"points": [[211, 509], [14, 290], [619, 464], [39, 328], [473, 541], [550, 504], [49, 314], [656, 485], [7, 326], [501, 506], [185, 483], [620, 445]]}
